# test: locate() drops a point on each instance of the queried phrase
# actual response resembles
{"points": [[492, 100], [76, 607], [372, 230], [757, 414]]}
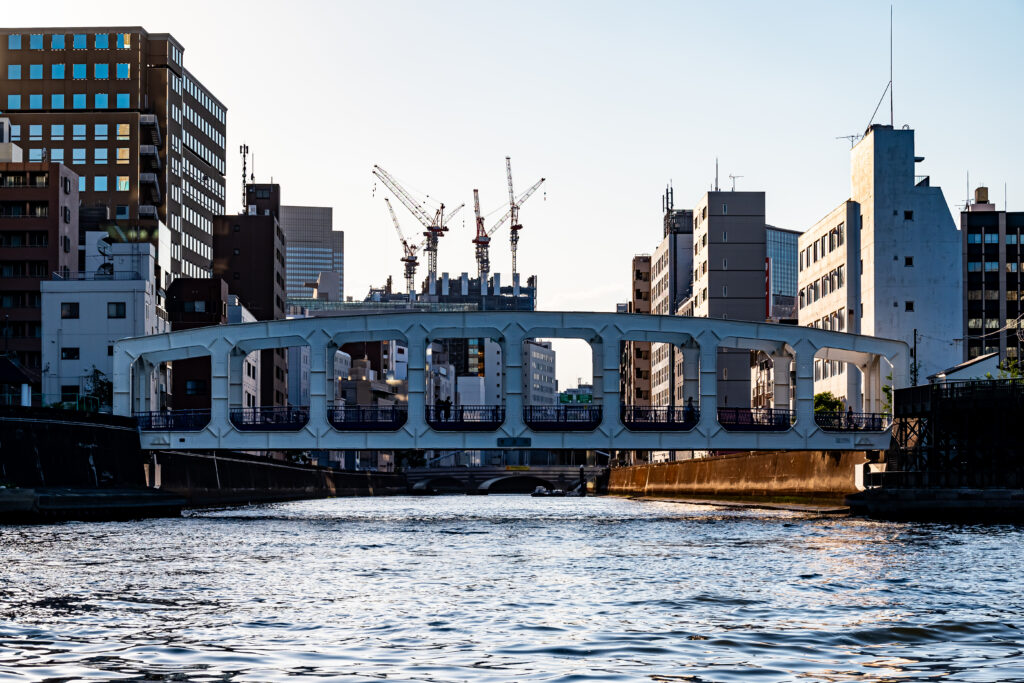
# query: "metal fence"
{"points": [[756, 419]]}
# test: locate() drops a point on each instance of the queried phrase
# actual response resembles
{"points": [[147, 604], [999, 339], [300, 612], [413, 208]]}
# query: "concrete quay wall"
{"points": [[769, 474], [239, 478]]}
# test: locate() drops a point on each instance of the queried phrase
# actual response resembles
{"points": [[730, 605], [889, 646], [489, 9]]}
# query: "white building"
{"points": [[83, 314], [885, 263], [539, 386], [671, 284], [237, 313]]}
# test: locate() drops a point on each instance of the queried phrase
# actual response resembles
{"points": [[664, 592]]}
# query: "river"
{"points": [[510, 588]]}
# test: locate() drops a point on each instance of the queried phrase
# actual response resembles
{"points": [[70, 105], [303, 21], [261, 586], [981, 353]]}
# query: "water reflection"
{"points": [[509, 588]]}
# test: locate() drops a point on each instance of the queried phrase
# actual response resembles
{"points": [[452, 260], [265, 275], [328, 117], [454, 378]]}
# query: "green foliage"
{"points": [[887, 390], [98, 389], [1009, 369], [827, 402]]}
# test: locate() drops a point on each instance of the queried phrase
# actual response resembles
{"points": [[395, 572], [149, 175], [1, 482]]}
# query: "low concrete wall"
{"points": [[768, 474], [226, 479]]}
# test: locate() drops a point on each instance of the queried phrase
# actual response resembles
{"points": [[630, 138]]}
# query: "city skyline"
{"points": [[607, 130]]}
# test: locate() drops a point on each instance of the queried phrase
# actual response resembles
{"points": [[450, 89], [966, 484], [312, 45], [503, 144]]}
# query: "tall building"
{"points": [[144, 136], [636, 355], [313, 247], [729, 252], [539, 386], [38, 240], [671, 284], [782, 272], [901, 259], [992, 263], [192, 303]]}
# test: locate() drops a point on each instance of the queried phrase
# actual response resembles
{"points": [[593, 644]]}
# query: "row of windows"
{"points": [[78, 101], [992, 267], [78, 155], [823, 369], [831, 282], [70, 310], [79, 131], [79, 41], [990, 238], [195, 91], [992, 295], [202, 151], [822, 246], [204, 125], [835, 321], [101, 183], [79, 72]]}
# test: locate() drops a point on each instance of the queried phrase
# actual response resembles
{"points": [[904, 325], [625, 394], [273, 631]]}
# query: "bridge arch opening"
{"points": [[465, 383], [852, 390], [269, 384], [576, 402], [368, 385], [755, 381], [515, 484]]}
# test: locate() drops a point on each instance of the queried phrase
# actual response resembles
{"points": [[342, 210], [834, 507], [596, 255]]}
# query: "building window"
{"points": [[100, 155], [35, 132], [102, 41], [123, 156], [78, 155], [101, 71], [35, 101], [991, 238], [57, 131], [81, 183], [56, 101], [908, 215], [122, 211], [57, 42], [122, 183], [195, 387], [974, 266], [14, 42], [78, 41], [908, 261], [124, 100], [57, 154], [14, 72], [99, 183], [100, 131], [79, 71], [102, 100], [69, 353], [991, 266], [123, 131], [1011, 267], [69, 310], [116, 309], [35, 72], [110, 349], [35, 41], [14, 101], [908, 306], [35, 154], [124, 41], [78, 101], [79, 131], [123, 71], [57, 72]]}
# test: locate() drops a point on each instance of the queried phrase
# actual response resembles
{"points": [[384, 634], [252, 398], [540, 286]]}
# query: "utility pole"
{"points": [[913, 367]]}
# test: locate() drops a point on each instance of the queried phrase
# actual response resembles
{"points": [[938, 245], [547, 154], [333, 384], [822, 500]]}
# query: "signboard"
{"points": [[517, 468], [514, 442]]}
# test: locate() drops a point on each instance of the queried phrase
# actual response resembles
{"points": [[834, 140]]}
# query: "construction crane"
{"points": [[434, 226], [409, 258], [482, 240], [513, 212]]}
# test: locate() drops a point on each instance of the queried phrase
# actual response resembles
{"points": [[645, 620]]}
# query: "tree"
{"points": [[99, 388], [827, 402], [1009, 369]]}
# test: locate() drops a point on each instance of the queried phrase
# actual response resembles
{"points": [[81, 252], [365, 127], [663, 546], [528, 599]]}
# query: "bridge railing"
{"points": [[369, 418], [659, 418], [173, 420], [838, 421], [465, 418], [270, 418], [756, 419], [562, 418]]}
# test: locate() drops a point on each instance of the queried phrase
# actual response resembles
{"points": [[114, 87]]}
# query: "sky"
{"points": [[607, 100]]}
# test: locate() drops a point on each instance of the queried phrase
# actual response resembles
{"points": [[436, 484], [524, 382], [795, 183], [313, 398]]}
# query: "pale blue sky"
{"points": [[607, 100]]}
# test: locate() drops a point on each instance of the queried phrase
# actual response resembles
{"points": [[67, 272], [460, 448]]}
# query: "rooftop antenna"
{"points": [[716, 174], [252, 174], [733, 178], [243, 149], [854, 139], [891, 117]]}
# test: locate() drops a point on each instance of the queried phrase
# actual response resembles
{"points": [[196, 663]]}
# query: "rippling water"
{"points": [[510, 588]]}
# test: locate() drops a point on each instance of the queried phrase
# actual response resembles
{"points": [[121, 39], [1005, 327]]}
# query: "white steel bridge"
{"points": [[607, 424]]}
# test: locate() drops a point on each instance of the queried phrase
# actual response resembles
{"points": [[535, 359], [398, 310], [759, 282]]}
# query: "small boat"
{"points": [[542, 492]]}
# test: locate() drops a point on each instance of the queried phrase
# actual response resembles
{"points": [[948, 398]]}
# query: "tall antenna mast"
{"points": [[716, 174], [891, 116]]}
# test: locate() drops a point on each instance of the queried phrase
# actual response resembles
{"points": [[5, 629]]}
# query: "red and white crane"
{"points": [[409, 258], [483, 235], [434, 226]]}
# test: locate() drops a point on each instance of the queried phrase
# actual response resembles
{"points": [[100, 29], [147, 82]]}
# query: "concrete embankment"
{"points": [[239, 478], [827, 476]]}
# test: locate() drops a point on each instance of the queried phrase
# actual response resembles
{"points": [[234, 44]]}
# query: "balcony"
{"points": [[465, 418], [173, 420], [272, 419], [148, 211], [150, 181], [838, 421], [558, 418], [150, 155], [756, 419], [659, 418], [369, 418], [149, 127]]}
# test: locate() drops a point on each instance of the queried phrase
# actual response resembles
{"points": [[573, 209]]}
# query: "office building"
{"points": [[635, 366], [539, 384], [992, 263], [144, 136], [84, 314], [782, 247], [38, 239], [313, 247], [902, 265], [192, 303], [671, 284]]}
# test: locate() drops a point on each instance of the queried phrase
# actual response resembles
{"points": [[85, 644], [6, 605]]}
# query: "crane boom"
{"points": [[403, 196], [398, 228], [519, 202]]}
